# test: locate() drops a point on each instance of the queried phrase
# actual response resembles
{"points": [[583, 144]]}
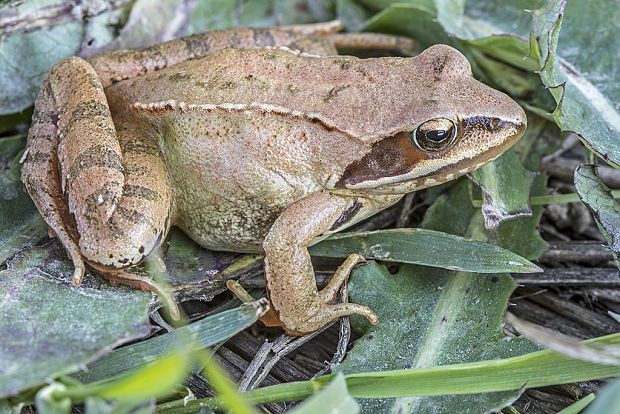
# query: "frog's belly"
{"points": [[229, 191], [218, 220]]}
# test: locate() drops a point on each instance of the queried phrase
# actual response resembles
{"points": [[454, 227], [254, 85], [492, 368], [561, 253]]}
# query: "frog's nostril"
{"points": [[520, 120]]}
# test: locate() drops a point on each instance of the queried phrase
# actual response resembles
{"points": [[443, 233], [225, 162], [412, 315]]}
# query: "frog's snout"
{"points": [[516, 119], [515, 122]]}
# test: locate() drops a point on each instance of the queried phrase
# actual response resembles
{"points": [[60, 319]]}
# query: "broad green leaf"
{"points": [[40, 34], [517, 83], [439, 317], [599, 200], [505, 188], [608, 400], [578, 68], [352, 15], [204, 333], [416, 20], [475, 19], [224, 14], [50, 328], [520, 234], [499, 29], [166, 19], [578, 406], [425, 247], [536, 369], [21, 225], [541, 138], [10, 147], [334, 398]]}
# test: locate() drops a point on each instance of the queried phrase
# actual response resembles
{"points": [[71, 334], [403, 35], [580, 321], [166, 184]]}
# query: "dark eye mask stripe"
{"points": [[389, 157]]}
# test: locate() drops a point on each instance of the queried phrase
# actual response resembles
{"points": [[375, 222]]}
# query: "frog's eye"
{"points": [[434, 135]]}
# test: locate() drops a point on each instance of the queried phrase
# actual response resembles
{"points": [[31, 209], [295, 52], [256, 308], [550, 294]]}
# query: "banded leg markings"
{"points": [[95, 156]]}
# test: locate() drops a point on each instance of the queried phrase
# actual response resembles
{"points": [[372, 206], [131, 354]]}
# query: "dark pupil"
{"points": [[430, 136], [437, 135]]}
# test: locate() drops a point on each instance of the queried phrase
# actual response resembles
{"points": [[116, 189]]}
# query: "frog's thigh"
{"points": [[40, 175], [72, 133], [141, 218], [288, 270], [118, 219], [112, 190], [370, 41]]}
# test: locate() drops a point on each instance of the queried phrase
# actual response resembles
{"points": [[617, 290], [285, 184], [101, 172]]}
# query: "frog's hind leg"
{"points": [[117, 65], [113, 189], [370, 41], [40, 176], [141, 217], [329, 292]]}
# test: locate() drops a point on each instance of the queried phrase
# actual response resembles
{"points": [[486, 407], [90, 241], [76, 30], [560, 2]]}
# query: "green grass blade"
{"points": [[425, 247], [333, 399], [536, 369], [578, 406], [235, 402], [205, 332]]}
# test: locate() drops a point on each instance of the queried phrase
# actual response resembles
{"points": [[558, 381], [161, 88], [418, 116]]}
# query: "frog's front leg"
{"points": [[103, 189], [289, 275]]}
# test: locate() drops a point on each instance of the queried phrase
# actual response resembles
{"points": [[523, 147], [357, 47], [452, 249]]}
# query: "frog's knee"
{"points": [[118, 249]]}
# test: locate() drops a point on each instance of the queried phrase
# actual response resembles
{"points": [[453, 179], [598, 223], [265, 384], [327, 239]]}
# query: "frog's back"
{"points": [[344, 92]]}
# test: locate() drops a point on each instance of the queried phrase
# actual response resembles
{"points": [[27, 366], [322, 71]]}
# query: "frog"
{"points": [[253, 140]]}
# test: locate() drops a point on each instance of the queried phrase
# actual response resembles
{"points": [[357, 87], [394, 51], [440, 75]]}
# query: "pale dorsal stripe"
{"points": [[182, 107]]}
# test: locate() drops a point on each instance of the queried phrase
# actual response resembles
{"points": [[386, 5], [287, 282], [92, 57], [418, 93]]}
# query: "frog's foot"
{"points": [[327, 312], [123, 277], [269, 319], [329, 292]]}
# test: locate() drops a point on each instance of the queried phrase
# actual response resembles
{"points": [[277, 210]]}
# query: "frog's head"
{"points": [[457, 124]]}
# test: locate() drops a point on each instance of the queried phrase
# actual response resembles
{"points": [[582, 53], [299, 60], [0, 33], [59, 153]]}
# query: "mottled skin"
{"points": [[264, 149]]}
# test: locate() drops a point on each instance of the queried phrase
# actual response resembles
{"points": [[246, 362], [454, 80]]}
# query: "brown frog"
{"points": [[249, 145]]}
